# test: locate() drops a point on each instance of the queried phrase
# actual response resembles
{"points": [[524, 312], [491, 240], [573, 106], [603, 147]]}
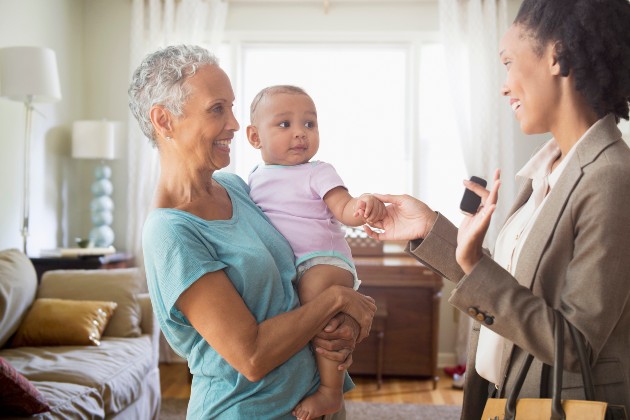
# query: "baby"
{"points": [[306, 201]]}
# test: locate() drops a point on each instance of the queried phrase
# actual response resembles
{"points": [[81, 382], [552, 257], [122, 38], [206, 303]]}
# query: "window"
{"points": [[379, 134], [359, 92]]}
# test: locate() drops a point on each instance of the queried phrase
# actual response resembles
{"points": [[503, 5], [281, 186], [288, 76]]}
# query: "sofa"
{"points": [[79, 344]]}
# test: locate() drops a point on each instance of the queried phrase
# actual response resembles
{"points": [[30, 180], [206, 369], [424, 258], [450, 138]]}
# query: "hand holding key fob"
{"points": [[470, 200]]}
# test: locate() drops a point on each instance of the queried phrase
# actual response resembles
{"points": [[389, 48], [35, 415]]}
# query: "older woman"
{"points": [[566, 245], [220, 276]]}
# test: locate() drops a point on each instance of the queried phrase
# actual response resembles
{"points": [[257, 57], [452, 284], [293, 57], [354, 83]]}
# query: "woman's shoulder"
{"points": [[162, 223], [612, 164], [231, 181]]}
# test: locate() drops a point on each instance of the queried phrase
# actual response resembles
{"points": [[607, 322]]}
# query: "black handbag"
{"points": [[555, 408]]}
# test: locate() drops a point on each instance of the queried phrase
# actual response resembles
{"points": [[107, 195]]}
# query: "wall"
{"points": [[55, 24], [391, 15], [91, 41], [106, 79]]}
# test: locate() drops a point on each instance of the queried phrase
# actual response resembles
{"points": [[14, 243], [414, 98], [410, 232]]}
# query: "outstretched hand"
{"points": [[473, 229], [406, 218]]}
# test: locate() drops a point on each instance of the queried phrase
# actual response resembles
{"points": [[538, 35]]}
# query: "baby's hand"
{"points": [[370, 208]]}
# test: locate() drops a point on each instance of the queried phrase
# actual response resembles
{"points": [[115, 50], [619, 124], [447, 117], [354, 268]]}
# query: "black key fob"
{"points": [[470, 200]]}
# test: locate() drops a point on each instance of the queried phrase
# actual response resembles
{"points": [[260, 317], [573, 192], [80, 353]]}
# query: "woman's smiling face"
{"points": [[531, 84], [206, 128]]}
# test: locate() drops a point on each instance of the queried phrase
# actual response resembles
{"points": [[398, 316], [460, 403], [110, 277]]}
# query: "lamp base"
{"points": [[102, 236], [102, 207]]}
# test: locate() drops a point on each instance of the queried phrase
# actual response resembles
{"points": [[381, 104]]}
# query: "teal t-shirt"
{"points": [[179, 248]]}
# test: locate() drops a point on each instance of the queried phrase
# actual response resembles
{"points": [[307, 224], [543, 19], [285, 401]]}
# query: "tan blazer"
{"points": [[576, 259]]}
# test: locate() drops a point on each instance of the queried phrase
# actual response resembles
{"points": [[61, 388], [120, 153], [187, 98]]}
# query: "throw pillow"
{"points": [[120, 285], [18, 396], [18, 285], [60, 322]]}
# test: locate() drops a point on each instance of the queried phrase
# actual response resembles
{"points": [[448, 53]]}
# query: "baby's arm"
{"points": [[353, 211]]}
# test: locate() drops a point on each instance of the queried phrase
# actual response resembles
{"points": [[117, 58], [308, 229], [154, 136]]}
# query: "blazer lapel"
{"points": [[544, 226], [522, 197], [601, 135]]}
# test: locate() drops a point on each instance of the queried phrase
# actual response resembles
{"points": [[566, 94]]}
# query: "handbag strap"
{"points": [[510, 405], [585, 367], [557, 412]]}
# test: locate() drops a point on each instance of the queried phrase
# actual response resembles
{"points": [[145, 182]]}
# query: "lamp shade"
{"points": [[94, 139], [29, 74]]}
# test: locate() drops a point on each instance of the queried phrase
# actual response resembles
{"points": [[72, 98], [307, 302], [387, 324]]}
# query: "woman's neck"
{"points": [[575, 118], [180, 185]]}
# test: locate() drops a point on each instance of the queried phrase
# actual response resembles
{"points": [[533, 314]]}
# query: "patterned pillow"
{"points": [[17, 395]]}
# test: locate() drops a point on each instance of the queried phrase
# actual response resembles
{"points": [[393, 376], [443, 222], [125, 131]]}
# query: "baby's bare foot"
{"points": [[324, 401]]}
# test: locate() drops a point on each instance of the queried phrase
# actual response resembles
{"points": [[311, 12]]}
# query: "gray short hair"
{"points": [[159, 80]]}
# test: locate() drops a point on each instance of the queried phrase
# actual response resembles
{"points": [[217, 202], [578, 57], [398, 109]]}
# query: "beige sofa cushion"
{"points": [[70, 401], [119, 285], [18, 284], [116, 368]]}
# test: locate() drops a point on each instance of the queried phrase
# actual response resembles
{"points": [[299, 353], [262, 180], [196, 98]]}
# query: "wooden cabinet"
{"points": [[410, 294], [43, 264]]}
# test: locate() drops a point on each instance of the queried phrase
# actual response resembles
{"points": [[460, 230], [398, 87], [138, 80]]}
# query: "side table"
{"points": [[118, 260], [405, 341]]}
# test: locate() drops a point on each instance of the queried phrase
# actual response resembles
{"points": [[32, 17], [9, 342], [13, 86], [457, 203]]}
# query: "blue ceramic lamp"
{"points": [[97, 140]]}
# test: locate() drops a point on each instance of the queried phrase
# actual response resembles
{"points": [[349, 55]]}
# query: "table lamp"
{"points": [[97, 140], [28, 75]]}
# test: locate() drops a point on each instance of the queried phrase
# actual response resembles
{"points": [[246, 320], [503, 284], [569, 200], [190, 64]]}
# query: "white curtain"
{"points": [[471, 31], [156, 24]]}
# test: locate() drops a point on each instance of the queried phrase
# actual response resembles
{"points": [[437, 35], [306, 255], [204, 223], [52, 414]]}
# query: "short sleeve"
{"points": [[324, 178], [175, 257]]}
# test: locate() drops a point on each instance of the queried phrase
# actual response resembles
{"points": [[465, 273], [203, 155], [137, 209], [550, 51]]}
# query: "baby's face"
{"points": [[287, 128]]}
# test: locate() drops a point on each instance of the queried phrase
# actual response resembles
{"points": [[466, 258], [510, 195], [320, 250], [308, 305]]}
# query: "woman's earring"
{"points": [[168, 138]]}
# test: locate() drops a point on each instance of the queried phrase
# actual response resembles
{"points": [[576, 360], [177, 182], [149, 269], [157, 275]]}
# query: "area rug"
{"points": [[175, 409]]}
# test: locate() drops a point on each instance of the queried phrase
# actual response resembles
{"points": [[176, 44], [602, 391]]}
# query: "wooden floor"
{"points": [[174, 379]]}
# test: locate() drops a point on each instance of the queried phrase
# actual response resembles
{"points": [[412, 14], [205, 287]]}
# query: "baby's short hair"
{"points": [[272, 90]]}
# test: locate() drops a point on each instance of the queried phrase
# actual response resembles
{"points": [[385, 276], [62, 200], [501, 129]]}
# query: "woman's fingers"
{"points": [[388, 198], [343, 356], [493, 195], [347, 363], [487, 196], [335, 355], [477, 189], [372, 234], [362, 310]]}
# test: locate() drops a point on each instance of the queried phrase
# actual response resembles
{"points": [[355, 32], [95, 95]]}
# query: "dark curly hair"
{"points": [[593, 43]]}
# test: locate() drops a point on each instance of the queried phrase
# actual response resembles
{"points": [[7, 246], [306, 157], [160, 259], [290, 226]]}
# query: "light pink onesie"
{"points": [[292, 198]]}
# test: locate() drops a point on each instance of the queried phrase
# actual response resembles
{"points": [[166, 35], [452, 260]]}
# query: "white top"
{"points": [[511, 239]]}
